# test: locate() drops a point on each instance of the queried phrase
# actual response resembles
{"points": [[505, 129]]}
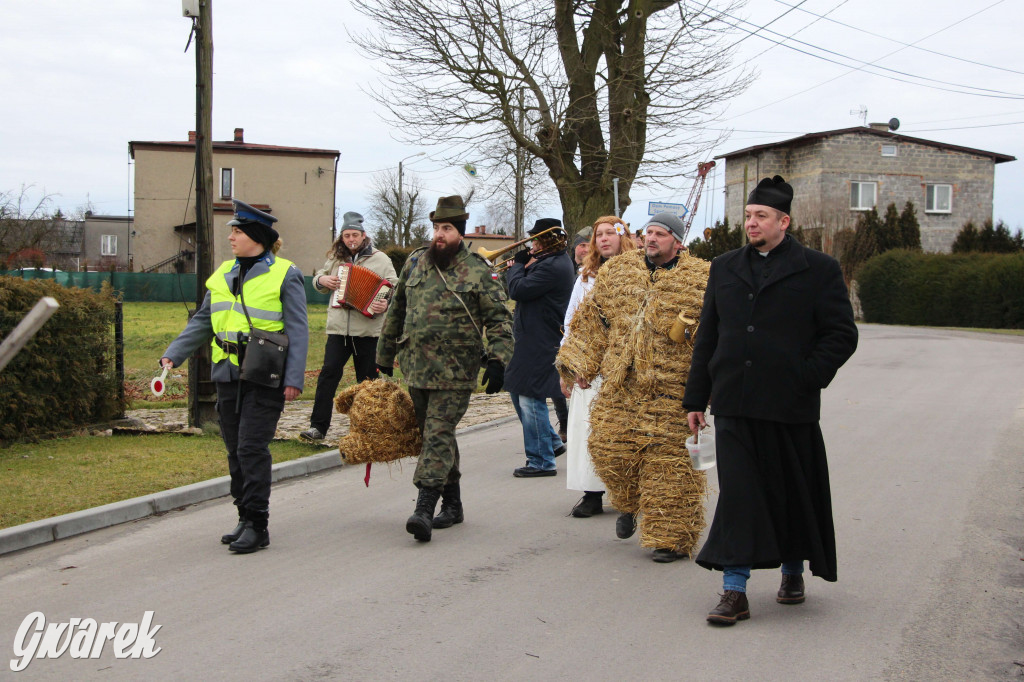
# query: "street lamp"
{"points": [[400, 214]]}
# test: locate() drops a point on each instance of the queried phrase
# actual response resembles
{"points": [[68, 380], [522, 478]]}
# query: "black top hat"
{"points": [[544, 224]]}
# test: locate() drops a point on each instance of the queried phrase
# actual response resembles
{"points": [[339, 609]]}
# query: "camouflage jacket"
{"points": [[429, 331]]}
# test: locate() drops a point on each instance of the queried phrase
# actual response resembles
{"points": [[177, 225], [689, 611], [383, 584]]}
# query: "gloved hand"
{"points": [[390, 371], [494, 377], [522, 256]]}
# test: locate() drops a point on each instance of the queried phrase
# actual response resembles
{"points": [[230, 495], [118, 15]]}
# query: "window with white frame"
{"points": [[888, 150], [108, 245], [938, 199], [863, 195], [227, 177]]}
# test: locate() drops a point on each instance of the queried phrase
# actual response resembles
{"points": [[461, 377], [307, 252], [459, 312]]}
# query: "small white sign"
{"points": [[656, 207]]}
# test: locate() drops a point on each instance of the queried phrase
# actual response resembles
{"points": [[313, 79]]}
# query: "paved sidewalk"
{"points": [[485, 412]]}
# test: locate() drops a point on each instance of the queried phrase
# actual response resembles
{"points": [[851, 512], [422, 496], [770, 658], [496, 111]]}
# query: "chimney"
{"points": [[879, 126], [238, 135], [191, 136], [481, 229]]}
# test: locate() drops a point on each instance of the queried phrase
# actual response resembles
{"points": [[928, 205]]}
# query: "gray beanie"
{"points": [[352, 221], [670, 222]]}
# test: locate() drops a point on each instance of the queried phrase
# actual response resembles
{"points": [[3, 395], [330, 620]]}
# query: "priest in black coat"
{"points": [[776, 326]]}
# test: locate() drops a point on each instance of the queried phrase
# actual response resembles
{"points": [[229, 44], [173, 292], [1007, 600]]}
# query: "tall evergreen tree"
{"points": [[910, 229]]}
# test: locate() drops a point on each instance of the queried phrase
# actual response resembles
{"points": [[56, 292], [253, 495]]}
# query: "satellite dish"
{"points": [[894, 124], [470, 170]]}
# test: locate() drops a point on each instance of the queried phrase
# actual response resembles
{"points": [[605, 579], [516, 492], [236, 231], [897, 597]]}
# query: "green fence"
{"points": [[138, 286]]}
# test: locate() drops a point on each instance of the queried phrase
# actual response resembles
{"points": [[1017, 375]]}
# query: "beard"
{"points": [[758, 243], [443, 255]]}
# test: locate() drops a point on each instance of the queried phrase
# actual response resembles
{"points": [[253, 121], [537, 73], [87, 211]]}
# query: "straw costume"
{"points": [[638, 427]]}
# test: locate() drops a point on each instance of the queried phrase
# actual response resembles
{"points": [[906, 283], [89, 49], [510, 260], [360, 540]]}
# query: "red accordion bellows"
{"points": [[359, 287]]}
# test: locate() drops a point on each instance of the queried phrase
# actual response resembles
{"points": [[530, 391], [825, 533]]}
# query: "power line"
{"points": [[893, 40], [999, 94]]}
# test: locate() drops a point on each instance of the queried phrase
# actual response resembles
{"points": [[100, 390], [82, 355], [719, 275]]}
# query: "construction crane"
{"points": [[694, 200]]}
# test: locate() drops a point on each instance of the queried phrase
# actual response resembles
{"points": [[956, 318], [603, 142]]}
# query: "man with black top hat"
{"points": [[775, 328], [540, 284], [447, 316], [274, 295]]}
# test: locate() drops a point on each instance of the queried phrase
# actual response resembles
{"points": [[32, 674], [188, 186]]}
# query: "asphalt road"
{"points": [[924, 431]]}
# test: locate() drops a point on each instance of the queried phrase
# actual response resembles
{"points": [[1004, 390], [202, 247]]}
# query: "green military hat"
{"points": [[449, 209]]}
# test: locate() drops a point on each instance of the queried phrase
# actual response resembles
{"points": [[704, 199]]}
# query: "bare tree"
{"points": [[35, 234], [397, 222], [611, 88]]}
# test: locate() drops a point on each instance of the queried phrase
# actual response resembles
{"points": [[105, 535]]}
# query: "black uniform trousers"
{"points": [[363, 351], [247, 432]]}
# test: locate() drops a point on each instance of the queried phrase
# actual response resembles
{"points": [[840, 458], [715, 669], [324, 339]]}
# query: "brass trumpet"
{"points": [[550, 240]]}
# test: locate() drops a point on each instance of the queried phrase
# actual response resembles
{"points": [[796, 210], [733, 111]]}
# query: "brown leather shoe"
{"points": [[732, 608], [792, 589]]}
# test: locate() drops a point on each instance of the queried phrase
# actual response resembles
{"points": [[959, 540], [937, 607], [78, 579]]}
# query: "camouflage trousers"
{"points": [[438, 413]]}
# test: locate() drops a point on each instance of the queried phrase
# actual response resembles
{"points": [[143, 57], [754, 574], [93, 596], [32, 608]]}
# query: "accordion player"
{"points": [[359, 287]]}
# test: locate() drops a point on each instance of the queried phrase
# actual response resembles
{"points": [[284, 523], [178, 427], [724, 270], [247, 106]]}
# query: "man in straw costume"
{"points": [[621, 331], [445, 309], [775, 328]]}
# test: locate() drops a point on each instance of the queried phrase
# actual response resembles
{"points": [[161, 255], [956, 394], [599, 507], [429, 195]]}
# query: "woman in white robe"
{"points": [[609, 238]]}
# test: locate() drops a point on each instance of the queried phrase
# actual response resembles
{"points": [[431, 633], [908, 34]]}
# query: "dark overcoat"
{"points": [[766, 352], [762, 355], [541, 293]]}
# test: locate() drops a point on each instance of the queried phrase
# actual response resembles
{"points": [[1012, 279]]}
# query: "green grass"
{"points": [[150, 327], [65, 475]]}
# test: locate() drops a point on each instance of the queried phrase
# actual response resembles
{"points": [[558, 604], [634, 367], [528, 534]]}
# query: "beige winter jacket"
{"points": [[348, 322]]}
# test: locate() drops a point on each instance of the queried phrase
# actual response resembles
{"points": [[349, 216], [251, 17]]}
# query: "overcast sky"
{"points": [[82, 79]]}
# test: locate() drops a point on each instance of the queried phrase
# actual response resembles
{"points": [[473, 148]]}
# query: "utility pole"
{"points": [[518, 214], [201, 391]]}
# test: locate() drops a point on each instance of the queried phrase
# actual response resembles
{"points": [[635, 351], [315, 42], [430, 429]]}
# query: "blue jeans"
{"points": [[539, 438], [735, 577]]}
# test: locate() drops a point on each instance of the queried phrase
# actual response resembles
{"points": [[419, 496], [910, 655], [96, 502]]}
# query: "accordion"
{"points": [[358, 287]]}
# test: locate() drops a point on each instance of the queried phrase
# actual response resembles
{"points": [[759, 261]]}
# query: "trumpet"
{"points": [[550, 240]]}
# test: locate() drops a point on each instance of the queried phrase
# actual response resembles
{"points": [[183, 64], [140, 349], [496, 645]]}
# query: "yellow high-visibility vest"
{"points": [[262, 298]]}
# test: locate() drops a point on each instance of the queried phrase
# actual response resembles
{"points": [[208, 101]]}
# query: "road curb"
{"points": [[68, 525]]}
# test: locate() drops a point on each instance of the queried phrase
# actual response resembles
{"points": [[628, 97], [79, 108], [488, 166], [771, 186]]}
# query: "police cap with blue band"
{"points": [[255, 223]]}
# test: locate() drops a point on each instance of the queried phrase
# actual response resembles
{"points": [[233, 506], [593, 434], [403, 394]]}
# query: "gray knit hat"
{"points": [[670, 222], [352, 221]]}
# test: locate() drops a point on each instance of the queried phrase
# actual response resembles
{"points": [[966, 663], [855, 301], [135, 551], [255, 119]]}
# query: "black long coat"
{"points": [[541, 293], [767, 352], [762, 356]]}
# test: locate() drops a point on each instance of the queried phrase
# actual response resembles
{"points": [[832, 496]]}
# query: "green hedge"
{"points": [[958, 290], [64, 377]]}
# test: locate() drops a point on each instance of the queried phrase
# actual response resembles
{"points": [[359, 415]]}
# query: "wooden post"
{"points": [[202, 401]]}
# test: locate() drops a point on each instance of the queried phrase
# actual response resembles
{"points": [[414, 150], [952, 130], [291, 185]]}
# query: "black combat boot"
{"points": [[451, 507], [228, 538], [422, 520], [255, 534]]}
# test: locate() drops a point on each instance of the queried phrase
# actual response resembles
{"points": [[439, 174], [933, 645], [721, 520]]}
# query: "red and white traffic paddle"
{"points": [[158, 385]]}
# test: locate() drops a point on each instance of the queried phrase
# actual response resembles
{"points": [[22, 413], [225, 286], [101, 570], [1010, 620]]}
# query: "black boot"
{"points": [[451, 507], [255, 534], [590, 504], [228, 538], [422, 520]]}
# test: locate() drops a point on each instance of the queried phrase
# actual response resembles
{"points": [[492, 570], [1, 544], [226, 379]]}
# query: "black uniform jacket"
{"points": [[541, 293], [766, 352]]}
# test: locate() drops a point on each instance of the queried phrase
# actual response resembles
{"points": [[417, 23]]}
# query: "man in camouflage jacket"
{"points": [[445, 304]]}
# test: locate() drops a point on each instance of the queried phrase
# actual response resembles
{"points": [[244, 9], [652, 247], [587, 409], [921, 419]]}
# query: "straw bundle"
{"points": [[382, 423]]}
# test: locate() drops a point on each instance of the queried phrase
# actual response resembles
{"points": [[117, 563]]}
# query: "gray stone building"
{"points": [[836, 174], [106, 242]]}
